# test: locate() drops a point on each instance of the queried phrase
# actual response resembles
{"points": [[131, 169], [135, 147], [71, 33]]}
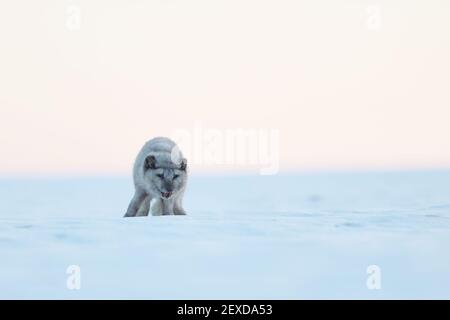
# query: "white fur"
{"points": [[149, 188]]}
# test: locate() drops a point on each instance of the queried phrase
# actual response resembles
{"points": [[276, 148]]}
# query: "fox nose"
{"points": [[168, 187]]}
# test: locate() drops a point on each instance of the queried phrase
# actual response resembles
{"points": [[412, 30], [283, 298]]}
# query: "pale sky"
{"points": [[348, 84]]}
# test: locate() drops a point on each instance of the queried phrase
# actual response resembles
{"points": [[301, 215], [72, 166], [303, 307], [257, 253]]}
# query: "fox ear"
{"points": [[150, 163], [183, 164]]}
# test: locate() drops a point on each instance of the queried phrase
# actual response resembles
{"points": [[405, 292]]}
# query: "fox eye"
{"points": [[160, 175], [175, 176]]}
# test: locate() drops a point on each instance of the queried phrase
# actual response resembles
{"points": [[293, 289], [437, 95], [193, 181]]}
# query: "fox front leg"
{"points": [[178, 210], [178, 207], [136, 202], [167, 207]]}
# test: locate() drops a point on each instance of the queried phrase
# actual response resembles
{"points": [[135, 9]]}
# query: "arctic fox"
{"points": [[160, 177]]}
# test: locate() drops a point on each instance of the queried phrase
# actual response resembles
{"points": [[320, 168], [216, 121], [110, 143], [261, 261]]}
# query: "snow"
{"points": [[289, 236]]}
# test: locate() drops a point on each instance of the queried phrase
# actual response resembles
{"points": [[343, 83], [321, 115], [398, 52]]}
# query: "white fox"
{"points": [[160, 177]]}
